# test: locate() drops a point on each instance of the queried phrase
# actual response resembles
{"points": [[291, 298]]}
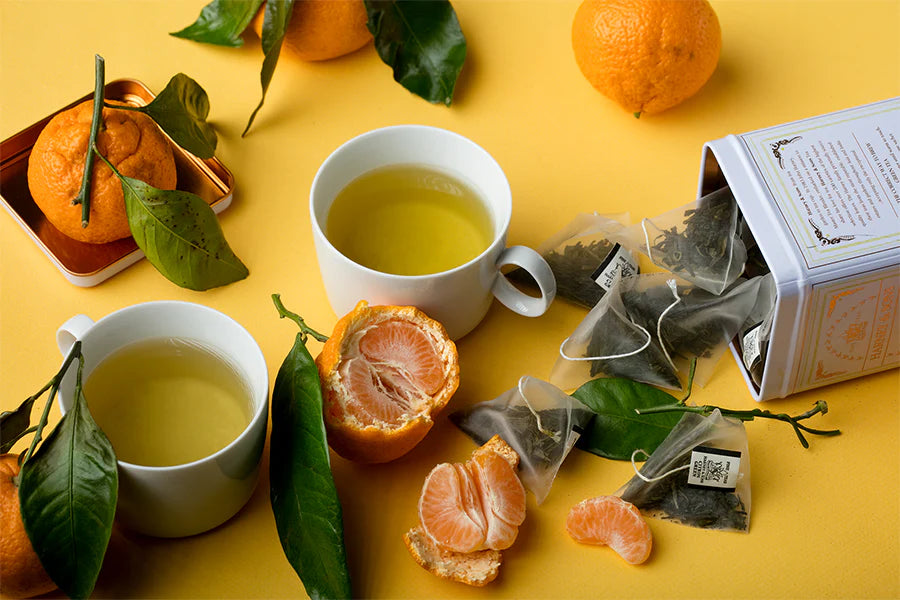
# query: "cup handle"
{"points": [[516, 300], [72, 330]]}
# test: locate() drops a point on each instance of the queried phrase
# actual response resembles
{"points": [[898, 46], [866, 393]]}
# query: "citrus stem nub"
{"points": [[304, 328]]}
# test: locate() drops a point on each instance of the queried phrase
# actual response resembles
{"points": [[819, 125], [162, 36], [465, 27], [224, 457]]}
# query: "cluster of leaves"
{"points": [[421, 41], [177, 231], [68, 486]]}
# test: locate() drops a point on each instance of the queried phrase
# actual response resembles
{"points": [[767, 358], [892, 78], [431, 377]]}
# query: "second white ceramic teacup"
{"points": [[459, 297], [189, 498]]}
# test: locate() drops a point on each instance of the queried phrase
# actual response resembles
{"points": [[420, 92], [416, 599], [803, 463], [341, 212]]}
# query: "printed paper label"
{"points": [[836, 180], [714, 468], [618, 263], [750, 349]]}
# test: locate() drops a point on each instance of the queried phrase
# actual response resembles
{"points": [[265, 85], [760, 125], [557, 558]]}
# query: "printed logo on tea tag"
{"points": [[618, 263], [714, 468], [750, 348]]}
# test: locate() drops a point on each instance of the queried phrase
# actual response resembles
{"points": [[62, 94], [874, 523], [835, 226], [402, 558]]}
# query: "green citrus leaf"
{"points": [[221, 22], [304, 499], [422, 42], [181, 236], [181, 110], [275, 22], [617, 430], [68, 491]]}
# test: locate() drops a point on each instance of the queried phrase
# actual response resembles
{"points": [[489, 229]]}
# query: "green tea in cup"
{"points": [[408, 219], [167, 401]]}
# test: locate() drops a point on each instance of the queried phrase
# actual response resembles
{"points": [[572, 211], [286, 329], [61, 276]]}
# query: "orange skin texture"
{"points": [[323, 29], [647, 55], [21, 572], [379, 442], [129, 140]]}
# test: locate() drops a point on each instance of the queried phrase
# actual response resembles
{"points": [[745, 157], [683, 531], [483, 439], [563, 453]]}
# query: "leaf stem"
{"points": [[748, 415], [53, 386], [84, 194], [304, 328]]}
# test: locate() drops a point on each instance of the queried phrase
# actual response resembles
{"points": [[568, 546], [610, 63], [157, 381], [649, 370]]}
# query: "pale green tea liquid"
{"points": [[167, 401], [409, 220]]}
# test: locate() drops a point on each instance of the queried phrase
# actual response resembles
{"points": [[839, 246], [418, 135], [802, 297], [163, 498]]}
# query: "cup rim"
{"points": [[499, 238], [259, 412]]}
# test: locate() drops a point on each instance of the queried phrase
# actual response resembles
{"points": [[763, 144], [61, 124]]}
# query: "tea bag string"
{"points": [[647, 239], [562, 346], [658, 477], [673, 286], [548, 432]]}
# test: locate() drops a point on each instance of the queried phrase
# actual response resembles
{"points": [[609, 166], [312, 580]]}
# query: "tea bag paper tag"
{"points": [[750, 347], [714, 468], [618, 263]]}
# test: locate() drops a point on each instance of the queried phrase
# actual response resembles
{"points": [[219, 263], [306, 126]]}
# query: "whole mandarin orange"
{"points": [[647, 55], [131, 141]]}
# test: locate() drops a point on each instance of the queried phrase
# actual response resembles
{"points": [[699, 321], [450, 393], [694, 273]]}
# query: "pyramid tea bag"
{"points": [[538, 420], [700, 242], [583, 259], [698, 476], [649, 327]]}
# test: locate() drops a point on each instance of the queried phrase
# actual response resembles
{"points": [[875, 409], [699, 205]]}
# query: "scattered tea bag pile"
{"points": [[538, 420], [700, 242], [583, 259], [649, 327], [698, 476]]}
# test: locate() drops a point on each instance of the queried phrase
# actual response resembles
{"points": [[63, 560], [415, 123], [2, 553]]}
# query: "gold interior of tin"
{"points": [[208, 179]]}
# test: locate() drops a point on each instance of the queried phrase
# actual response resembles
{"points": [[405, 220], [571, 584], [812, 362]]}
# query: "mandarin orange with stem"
{"points": [[611, 521], [21, 572], [323, 29], [386, 372], [130, 140], [647, 55]]}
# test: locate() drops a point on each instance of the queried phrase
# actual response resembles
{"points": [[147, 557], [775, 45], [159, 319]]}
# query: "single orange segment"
{"points": [[613, 522]]}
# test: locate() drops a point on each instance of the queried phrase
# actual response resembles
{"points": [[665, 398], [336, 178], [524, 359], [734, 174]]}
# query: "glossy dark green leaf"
{"points": [[221, 22], [68, 491], [275, 22], [304, 498], [14, 424], [181, 236], [422, 42], [617, 430], [181, 110]]}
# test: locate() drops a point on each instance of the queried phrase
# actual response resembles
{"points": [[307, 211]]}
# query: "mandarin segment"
{"points": [[647, 55], [613, 522], [131, 141], [21, 572], [386, 372]]}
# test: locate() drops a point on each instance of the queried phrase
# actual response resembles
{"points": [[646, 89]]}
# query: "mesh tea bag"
{"points": [[757, 329], [699, 242], [583, 259], [649, 328], [698, 476], [538, 420]]}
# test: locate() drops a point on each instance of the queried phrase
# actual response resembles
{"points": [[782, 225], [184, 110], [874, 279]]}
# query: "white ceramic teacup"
{"points": [[185, 499], [460, 297]]}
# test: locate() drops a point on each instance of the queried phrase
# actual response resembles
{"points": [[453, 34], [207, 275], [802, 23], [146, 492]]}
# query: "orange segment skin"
{"points": [[129, 140], [647, 55], [386, 372], [611, 521], [323, 29], [21, 572]]}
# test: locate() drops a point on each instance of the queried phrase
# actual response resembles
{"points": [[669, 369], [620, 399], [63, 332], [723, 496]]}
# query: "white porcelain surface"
{"points": [[460, 297], [191, 498]]}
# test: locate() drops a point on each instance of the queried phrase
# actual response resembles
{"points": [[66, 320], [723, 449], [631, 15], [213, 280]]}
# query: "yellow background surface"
{"points": [[825, 521]]}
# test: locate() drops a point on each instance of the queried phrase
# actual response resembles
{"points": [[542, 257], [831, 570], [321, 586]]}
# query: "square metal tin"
{"points": [[86, 264]]}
